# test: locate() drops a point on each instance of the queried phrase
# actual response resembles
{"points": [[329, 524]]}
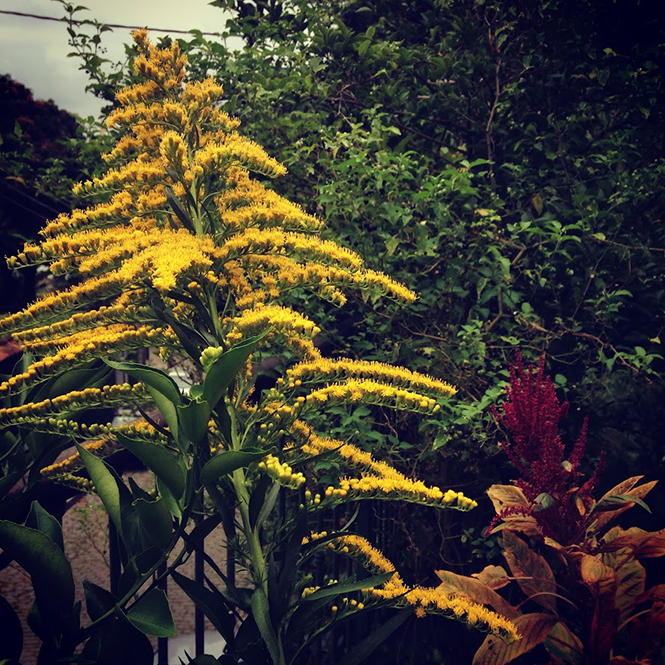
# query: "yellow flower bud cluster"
{"points": [[397, 489], [84, 320], [75, 400], [281, 472], [380, 480], [270, 318], [324, 370], [174, 151], [82, 347], [371, 392], [104, 446], [237, 150], [209, 356]]}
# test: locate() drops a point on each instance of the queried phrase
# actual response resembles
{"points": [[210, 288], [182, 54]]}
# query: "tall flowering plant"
{"points": [[188, 253], [587, 602]]}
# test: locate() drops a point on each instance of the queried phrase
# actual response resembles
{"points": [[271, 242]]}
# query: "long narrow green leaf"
{"points": [[210, 603], [347, 587], [227, 462], [193, 419], [361, 651], [159, 460], [162, 388], [105, 484], [261, 614]]}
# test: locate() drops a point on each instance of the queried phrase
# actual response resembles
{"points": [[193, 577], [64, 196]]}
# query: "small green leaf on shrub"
{"points": [[152, 615]]}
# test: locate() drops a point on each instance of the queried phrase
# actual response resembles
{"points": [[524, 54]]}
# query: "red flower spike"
{"points": [[532, 413]]}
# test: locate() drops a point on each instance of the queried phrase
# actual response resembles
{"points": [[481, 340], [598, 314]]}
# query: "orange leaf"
{"points": [[531, 571], [509, 496], [603, 519], [494, 577], [631, 580], [533, 628], [645, 544], [602, 581]]}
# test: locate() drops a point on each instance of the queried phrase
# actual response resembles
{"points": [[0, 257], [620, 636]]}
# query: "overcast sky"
{"points": [[34, 52]]}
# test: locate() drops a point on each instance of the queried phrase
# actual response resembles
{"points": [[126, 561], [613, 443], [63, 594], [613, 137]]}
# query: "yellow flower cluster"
{"points": [[74, 400], [84, 346], [324, 369], [281, 472], [423, 600], [380, 479], [273, 318], [371, 392], [103, 446]]}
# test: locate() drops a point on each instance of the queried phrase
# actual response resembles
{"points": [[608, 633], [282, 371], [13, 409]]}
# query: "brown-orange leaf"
{"points": [[533, 628]]}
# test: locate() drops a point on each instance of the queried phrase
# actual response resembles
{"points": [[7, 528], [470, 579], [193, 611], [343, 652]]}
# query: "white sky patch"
{"points": [[34, 52]]}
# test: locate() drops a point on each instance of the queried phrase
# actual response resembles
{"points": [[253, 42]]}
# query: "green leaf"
{"points": [[543, 501], [105, 484], [98, 601], [39, 519], [162, 388], [159, 460], [261, 615], [11, 644], [211, 603], [361, 651], [46, 564], [194, 420], [347, 587], [227, 462], [152, 615], [618, 500], [225, 368], [156, 522], [117, 641], [169, 499], [178, 208]]}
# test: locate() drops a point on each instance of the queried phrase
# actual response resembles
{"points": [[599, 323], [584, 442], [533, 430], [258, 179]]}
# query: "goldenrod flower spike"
{"points": [[423, 600]]}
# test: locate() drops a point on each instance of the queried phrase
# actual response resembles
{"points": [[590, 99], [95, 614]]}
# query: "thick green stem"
{"points": [[257, 558]]}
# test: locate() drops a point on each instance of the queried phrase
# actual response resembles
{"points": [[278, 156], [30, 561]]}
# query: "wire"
{"points": [[108, 25]]}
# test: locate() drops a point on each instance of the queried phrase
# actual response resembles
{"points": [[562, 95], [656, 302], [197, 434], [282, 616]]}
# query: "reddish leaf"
{"points": [[476, 591], [645, 544], [623, 487], [603, 519], [602, 582], [8, 348], [531, 571], [494, 577], [647, 632], [533, 628], [654, 593]]}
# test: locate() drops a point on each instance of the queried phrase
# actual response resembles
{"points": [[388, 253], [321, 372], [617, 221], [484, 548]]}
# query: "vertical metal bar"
{"points": [[199, 627], [114, 558], [162, 642]]}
